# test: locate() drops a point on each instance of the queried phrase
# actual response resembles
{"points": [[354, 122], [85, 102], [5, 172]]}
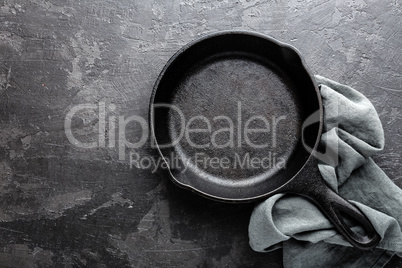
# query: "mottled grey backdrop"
{"points": [[62, 206]]}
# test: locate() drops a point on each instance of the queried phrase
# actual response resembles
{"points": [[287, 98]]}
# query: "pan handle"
{"points": [[310, 184]]}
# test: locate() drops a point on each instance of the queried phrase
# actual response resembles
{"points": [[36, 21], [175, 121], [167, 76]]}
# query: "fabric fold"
{"points": [[352, 134]]}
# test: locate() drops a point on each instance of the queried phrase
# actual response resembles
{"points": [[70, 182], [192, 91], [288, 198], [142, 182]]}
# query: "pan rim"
{"points": [[170, 62]]}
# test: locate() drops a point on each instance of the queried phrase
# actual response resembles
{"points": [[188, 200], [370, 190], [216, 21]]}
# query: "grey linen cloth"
{"points": [[353, 130]]}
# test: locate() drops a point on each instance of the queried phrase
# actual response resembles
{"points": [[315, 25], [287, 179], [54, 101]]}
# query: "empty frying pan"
{"points": [[228, 116]]}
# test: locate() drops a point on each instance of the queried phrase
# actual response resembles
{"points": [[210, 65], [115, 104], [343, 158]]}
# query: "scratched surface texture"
{"points": [[65, 206]]}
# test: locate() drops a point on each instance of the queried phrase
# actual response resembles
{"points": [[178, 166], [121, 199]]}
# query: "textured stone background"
{"points": [[61, 206]]}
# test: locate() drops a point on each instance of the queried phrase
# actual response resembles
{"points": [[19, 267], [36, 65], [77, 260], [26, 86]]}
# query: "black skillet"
{"points": [[203, 99]]}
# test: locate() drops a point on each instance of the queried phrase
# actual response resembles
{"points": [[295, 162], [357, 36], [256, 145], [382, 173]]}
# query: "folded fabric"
{"points": [[352, 129]]}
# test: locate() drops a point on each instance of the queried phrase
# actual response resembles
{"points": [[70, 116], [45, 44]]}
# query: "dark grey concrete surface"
{"points": [[64, 206]]}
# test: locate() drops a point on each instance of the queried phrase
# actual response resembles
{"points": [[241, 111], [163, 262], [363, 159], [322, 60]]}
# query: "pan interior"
{"points": [[235, 125], [241, 115]]}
